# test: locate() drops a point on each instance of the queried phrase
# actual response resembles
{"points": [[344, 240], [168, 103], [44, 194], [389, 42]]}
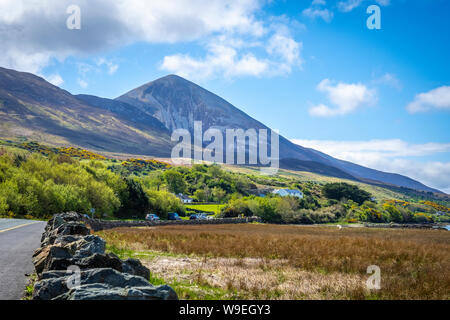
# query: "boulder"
{"points": [[65, 240], [44, 257], [105, 283], [108, 260], [135, 267], [68, 228], [104, 292], [94, 261], [85, 246]]}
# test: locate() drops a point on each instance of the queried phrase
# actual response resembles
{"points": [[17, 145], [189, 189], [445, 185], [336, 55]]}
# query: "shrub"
{"points": [[339, 191], [42, 187], [163, 202], [421, 217], [134, 201]]}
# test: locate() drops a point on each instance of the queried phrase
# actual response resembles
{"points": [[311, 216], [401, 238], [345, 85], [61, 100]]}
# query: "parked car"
{"points": [[201, 216], [173, 216], [193, 217], [151, 217]]}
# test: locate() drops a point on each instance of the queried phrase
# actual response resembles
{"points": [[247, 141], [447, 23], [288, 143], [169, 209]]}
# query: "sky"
{"points": [[309, 68]]}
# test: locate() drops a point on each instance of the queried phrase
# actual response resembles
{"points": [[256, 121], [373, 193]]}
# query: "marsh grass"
{"points": [[295, 262]]}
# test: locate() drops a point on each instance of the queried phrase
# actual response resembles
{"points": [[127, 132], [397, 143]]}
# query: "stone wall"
{"points": [[406, 225], [72, 264], [98, 225]]}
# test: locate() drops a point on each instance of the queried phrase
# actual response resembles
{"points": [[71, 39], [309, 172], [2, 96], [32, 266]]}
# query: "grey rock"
{"points": [[103, 276], [68, 228], [52, 286], [94, 261], [108, 260], [43, 258], [135, 267], [65, 240], [87, 246], [105, 292]]}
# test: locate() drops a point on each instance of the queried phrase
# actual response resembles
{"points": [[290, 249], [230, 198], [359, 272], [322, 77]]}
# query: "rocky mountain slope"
{"points": [[31, 107], [177, 103], [141, 121]]}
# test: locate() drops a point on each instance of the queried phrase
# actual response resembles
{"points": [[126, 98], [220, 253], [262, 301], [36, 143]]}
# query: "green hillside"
{"points": [[39, 181]]}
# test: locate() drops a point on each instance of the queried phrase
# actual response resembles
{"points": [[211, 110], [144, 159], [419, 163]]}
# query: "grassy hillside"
{"points": [[38, 180], [380, 193]]}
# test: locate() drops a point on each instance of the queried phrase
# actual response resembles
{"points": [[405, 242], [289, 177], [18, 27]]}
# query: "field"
{"points": [[257, 261], [205, 207]]}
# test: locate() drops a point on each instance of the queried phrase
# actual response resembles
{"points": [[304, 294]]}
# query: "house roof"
{"points": [[289, 191], [183, 196]]}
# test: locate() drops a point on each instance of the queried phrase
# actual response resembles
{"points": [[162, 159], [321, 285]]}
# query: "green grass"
{"points": [[28, 295], [147, 254], [206, 207], [196, 290]]}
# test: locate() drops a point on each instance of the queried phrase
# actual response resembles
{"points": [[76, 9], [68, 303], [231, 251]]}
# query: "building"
{"points": [[184, 198], [288, 192]]}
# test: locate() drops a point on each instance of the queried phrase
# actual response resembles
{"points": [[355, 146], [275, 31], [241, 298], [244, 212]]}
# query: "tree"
{"points": [[339, 191], [163, 202], [218, 194], [134, 201], [201, 195], [394, 214], [175, 181]]}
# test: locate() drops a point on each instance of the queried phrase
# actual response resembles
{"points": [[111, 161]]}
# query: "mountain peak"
{"points": [[173, 79]]}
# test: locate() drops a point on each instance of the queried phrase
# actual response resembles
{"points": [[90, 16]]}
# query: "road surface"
{"points": [[18, 240]]}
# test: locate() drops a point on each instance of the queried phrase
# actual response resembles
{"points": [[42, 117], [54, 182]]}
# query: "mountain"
{"points": [[33, 108], [177, 103], [140, 122]]}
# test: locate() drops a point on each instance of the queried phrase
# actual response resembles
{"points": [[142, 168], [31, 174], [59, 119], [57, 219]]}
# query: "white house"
{"points": [[288, 192], [184, 198]]}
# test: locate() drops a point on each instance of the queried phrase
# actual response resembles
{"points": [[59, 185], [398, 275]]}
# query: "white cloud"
{"points": [[220, 59], [346, 98], [436, 99], [286, 47], [316, 11], [112, 67], [393, 155], [349, 5], [388, 79], [233, 57], [82, 83], [313, 13], [55, 79], [34, 32]]}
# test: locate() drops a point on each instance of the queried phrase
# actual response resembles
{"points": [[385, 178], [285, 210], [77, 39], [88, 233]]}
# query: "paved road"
{"points": [[18, 240]]}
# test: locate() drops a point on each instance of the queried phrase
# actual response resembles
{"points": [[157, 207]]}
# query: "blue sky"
{"points": [[311, 69]]}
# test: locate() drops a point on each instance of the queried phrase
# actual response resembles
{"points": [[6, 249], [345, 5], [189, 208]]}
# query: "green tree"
{"points": [[175, 181], [218, 194], [342, 190], [201, 195], [134, 201]]}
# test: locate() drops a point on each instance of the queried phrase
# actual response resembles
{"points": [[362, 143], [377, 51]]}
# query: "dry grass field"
{"points": [[257, 261]]}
